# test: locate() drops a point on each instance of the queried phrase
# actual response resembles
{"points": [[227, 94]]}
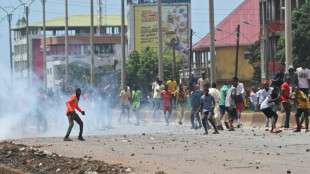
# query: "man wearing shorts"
{"points": [[125, 97], [167, 105], [267, 110], [207, 103], [303, 107], [136, 103], [230, 105], [223, 92]]}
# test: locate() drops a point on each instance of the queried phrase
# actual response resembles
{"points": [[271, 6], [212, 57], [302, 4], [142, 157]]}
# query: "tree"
{"points": [[79, 74], [301, 36], [255, 61], [142, 68]]}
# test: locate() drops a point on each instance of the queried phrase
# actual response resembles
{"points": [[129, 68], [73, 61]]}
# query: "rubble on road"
{"points": [[29, 159]]}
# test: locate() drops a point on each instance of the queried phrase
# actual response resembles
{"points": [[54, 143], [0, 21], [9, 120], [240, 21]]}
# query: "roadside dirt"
{"points": [[30, 159]]}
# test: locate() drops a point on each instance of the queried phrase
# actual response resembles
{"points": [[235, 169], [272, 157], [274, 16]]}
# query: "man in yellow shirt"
{"points": [[125, 97], [172, 85], [303, 106]]}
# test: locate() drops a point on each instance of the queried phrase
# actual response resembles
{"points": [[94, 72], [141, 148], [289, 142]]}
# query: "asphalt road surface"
{"points": [[178, 149]]}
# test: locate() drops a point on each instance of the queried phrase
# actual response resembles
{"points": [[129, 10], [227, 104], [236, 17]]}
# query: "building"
{"points": [[107, 46], [225, 44], [143, 25], [272, 21]]}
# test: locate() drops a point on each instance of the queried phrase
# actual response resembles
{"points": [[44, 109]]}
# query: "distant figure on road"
{"points": [[203, 81], [267, 110], [167, 105], [136, 103], [181, 100], [207, 103], [125, 104], [72, 104], [303, 107]]}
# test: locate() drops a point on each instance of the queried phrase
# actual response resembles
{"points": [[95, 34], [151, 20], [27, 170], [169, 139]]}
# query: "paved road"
{"points": [[178, 149]]}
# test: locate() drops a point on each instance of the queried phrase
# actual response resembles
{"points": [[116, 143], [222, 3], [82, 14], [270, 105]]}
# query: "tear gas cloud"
{"points": [[32, 112]]}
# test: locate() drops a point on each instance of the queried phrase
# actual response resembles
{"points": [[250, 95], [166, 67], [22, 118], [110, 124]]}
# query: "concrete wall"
{"points": [[225, 62]]}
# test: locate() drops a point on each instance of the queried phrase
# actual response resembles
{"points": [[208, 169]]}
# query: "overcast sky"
{"points": [[56, 8]]}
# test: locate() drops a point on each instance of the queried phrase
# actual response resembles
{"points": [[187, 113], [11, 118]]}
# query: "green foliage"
{"points": [[142, 68], [79, 74], [301, 36], [255, 61]]}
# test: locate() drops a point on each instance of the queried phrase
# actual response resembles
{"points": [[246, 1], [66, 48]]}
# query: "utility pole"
{"points": [[44, 46], [10, 36], [267, 51], [212, 43], [123, 72], [288, 35], [92, 74], [173, 58], [99, 18], [160, 44], [66, 44], [27, 45], [190, 55], [237, 51]]}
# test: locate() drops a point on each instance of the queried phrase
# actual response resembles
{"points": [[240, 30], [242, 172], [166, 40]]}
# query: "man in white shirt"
{"points": [[217, 97], [157, 97], [230, 105], [253, 98], [263, 94], [267, 110], [303, 74], [203, 81]]}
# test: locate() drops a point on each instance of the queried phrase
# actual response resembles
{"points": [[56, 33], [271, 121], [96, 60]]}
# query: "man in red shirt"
{"points": [[167, 106], [72, 104], [285, 96]]}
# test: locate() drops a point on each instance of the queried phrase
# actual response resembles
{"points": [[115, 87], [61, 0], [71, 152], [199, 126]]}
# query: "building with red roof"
{"points": [[247, 16]]}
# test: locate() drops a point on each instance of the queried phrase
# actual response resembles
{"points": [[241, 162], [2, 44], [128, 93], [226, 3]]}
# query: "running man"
{"points": [[303, 107], [125, 98], [181, 99], [207, 103], [136, 103], [72, 104], [167, 105], [266, 107], [230, 105], [285, 95], [195, 102], [217, 97]]}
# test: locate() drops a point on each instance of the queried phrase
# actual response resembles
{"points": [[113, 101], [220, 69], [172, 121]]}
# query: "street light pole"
{"points": [[237, 52], [212, 42], [160, 44], [10, 36], [123, 72], [66, 44], [92, 74], [44, 45], [27, 45], [288, 35]]}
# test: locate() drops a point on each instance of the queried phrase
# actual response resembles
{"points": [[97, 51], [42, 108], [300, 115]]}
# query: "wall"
{"points": [[225, 61]]}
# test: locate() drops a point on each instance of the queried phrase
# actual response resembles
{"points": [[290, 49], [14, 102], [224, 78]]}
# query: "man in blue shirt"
{"points": [[195, 102], [207, 103]]}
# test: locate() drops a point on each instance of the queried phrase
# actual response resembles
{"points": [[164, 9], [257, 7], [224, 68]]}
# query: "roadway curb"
{"points": [[247, 119]]}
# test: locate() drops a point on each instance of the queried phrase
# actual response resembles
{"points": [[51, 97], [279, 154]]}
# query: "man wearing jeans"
{"points": [[157, 98], [195, 102], [72, 104], [285, 95]]}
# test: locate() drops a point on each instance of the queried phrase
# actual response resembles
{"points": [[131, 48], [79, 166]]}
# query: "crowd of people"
{"points": [[287, 92]]}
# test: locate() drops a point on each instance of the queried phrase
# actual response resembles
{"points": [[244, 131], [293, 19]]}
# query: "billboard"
{"points": [[174, 28]]}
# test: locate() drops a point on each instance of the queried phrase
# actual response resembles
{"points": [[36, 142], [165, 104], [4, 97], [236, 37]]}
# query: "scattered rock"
{"points": [[308, 150], [288, 171], [132, 154], [128, 170], [143, 133]]}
